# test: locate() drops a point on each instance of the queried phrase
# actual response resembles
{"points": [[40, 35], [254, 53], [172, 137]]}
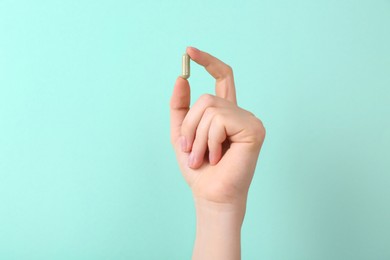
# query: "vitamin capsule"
{"points": [[185, 74]]}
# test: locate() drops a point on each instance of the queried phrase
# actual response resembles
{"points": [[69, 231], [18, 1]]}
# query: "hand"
{"points": [[216, 142]]}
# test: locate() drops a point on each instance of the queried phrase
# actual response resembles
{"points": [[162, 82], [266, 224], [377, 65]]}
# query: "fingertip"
{"points": [[180, 79], [193, 52], [191, 160], [214, 158], [181, 94], [215, 152], [194, 162], [192, 48]]}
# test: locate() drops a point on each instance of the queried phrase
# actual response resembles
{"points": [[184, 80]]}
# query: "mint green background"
{"points": [[86, 167]]}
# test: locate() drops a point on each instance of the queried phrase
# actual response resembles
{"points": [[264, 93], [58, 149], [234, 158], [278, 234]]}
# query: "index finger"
{"points": [[223, 73]]}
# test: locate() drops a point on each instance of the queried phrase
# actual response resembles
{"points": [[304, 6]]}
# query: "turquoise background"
{"points": [[86, 166]]}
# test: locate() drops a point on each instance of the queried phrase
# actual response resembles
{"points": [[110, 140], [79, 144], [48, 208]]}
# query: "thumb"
{"points": [[180, 104]]}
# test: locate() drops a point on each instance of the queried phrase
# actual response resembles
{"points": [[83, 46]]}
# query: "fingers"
{"points": [[217, 135], [209, 134], [203, 128], [179, 106], [222, 72], [199, 147], [194, 116], [211, 122]]}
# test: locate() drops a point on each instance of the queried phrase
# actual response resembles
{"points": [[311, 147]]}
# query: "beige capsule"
{"points": [[185, 74]]}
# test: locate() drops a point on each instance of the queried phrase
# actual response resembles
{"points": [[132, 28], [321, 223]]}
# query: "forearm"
{"points": [[218, 230]]}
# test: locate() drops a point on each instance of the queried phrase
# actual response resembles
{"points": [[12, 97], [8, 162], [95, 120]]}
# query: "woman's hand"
{"points": [[216, 142]]}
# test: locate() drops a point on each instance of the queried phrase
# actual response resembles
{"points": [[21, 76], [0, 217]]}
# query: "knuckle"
{"points": [[258, 130], [228, 70], [218, 119], [206, 99]]}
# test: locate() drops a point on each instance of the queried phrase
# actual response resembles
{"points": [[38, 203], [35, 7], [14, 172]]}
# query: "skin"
{"points": [[217, 144]]}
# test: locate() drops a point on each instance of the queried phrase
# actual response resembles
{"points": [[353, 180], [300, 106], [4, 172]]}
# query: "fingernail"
{"points": [[183, 143], [211, 158], [195, 49], [191, 160]]}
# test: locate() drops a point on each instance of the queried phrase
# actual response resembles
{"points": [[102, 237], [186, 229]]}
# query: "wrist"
{"points": [[210, 210], [218, 229]]}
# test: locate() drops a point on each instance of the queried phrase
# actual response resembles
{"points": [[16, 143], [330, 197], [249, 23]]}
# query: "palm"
{"points": [[217, 183], [226, 180]]}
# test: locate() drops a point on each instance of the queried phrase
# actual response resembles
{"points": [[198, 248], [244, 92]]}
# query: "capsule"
{"points": [[185, 74]]}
